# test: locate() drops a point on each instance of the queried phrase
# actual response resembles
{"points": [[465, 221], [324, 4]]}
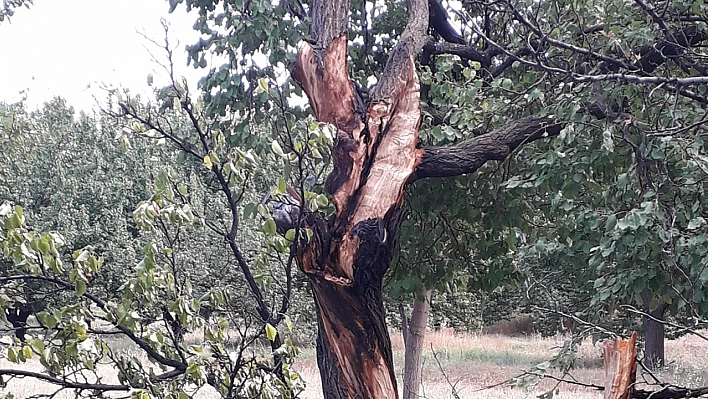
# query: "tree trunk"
{"points": [[353, 347], [653, 327], [620, 364], [414, 346], [404, 323], [374, 156]]}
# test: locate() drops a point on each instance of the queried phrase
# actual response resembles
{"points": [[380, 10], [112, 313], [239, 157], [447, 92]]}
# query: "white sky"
{"points": [[71, 48]]}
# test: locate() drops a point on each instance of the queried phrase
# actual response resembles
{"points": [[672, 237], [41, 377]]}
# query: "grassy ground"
{"points": [[468, 363]]}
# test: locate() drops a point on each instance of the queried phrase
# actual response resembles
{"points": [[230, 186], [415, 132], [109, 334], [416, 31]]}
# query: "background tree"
{"points": [[168, 292]]}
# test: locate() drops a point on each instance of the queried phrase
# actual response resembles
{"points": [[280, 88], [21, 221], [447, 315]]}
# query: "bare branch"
{"points": [[101, 304], [64, 383]]}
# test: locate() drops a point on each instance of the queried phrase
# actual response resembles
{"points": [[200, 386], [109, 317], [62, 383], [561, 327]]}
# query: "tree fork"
{"points": [[374, 156]]}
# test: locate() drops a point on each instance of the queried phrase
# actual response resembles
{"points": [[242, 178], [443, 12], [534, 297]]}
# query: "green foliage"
{"points": [[76, 334]]}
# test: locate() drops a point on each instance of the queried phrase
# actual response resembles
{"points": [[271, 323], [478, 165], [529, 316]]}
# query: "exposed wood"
{"points": [[353, 347], [620, 360], [374, 156], [332, 100]]}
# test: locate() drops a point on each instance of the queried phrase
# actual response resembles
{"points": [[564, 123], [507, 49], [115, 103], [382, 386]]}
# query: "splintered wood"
{"points": [[620, 367]]}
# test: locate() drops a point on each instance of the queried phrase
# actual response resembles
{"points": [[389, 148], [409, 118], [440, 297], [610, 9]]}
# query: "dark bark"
{"points": [[353, 347], [670, 47], [175, 326], [374, 157], [654, 355], [440, 23], [17, 316], [470, 155]]}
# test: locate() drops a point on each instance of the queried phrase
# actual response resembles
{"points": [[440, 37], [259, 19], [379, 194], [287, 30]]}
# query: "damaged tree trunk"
{"points": [[620, 361], [374, 156]]}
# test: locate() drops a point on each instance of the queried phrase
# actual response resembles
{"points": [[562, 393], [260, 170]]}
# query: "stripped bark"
{"points": [[374, 156], [620, 360]]}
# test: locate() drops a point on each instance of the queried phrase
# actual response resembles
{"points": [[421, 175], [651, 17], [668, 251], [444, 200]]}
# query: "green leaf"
{"points": [[269, 227], [27, 352], [322, 200], [80, 287], [282, 187], [207, 161], [44, 245], [38, 346], [695, 223], [271, 332], [610, 223], [12, 355], [263, 84], [47, 320]]}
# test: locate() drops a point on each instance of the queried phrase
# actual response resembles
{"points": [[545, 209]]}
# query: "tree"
{"points": [[532, 70], [585, 82], [87, 179]]}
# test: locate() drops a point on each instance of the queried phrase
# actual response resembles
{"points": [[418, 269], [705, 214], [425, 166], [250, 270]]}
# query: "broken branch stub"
{"points": [[620, 360]]}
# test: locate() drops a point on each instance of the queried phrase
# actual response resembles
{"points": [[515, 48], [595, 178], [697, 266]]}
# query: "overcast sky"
{"points": [[70, 48]]}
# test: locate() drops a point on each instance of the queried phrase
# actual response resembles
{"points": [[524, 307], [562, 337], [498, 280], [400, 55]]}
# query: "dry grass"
{"points": [[470, 363]]}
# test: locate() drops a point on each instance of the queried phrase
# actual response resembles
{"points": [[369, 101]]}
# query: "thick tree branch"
{"points": [[329, 21], [461, 50], [410, 42], [655, 55], [671, 392], [468, 156], [439, 21]]}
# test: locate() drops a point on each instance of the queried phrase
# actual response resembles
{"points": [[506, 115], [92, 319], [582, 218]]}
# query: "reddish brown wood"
{"points": [[620, 359], [373, 158]]}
